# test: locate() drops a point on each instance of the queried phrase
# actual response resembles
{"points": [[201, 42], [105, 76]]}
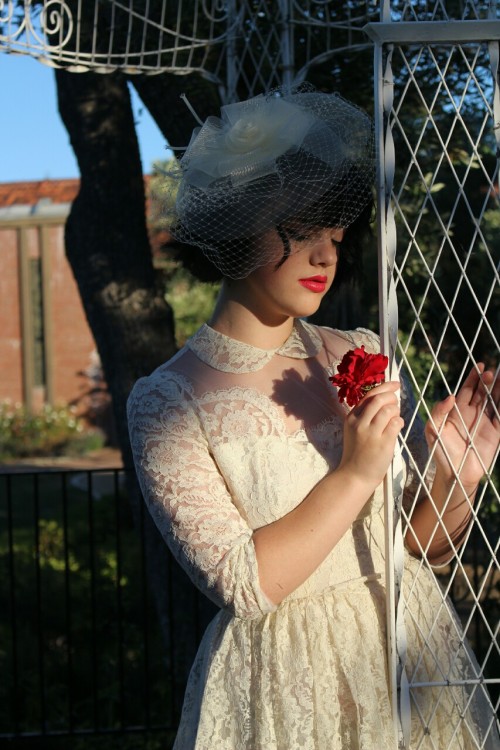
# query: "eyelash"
{"points": [[300, 237], [297, 237]]}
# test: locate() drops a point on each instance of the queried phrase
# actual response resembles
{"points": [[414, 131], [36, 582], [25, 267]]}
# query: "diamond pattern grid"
{"points": [[440, 10], [446, 199]]}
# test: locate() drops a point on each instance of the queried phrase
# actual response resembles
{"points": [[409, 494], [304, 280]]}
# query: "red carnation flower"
{"points": [[358, 373]]}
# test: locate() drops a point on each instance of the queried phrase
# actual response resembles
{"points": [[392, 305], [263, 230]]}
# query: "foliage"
{"points": [[48, 432], [192, 303], [80, 642], [161, 193], [191, 300]]}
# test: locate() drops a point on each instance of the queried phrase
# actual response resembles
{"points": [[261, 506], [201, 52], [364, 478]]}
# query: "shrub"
{"points": [[48, 432], [192, 302]]}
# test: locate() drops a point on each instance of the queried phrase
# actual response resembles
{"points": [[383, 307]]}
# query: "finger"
{"points": [[486, 397], [384, 388], [394, 427], [487, 390], [468, 391], [391, 385], [482, 388], [494, 388], [492, 409], [374, 401], [385, 416], [438, 415], [374, 423]]}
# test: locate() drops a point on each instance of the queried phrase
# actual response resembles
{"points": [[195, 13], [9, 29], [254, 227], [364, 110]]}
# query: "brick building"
{"points": [[47, 351]]}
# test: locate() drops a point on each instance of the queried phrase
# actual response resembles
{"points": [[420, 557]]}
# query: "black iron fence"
{"points": [[98, 631], [83, 649]]}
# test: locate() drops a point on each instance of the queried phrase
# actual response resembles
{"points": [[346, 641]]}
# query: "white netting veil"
{"points": [[303, 157]]}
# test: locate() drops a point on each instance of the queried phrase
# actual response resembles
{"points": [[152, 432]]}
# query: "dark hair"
{"points": [[195, 261], [321, 214]]}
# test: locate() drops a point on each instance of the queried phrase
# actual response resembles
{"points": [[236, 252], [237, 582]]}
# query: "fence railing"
{"points": [[84, 648]]}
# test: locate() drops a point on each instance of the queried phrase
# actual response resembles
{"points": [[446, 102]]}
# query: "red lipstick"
{"points": [[314, 283]]}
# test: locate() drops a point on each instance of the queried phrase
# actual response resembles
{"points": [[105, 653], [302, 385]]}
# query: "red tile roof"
{"points": [[30, 193]]}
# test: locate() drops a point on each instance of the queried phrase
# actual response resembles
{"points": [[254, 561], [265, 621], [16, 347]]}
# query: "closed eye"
{"points": [[301, 234]]}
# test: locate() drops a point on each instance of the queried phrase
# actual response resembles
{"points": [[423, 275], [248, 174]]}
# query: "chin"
{"points": [[305, 311]]}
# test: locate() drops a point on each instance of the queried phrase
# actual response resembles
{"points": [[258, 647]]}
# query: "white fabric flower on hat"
{"points": [[246, 142]]}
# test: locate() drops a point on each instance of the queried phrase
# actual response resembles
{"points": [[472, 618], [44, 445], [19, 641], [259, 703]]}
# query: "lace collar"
{"points": [[228, 355]]}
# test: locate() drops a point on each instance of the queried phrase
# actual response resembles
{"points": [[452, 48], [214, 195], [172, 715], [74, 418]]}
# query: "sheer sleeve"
{"points": [[419, 470], [188, 498]]}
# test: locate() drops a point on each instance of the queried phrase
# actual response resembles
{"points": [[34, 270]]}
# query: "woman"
{"points": [[266, 487]]}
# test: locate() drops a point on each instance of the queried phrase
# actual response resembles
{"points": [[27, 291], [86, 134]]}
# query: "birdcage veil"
{"points": [[303, 156]]}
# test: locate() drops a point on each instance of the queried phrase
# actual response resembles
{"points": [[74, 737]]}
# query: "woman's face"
{"points": [[295, 287]]}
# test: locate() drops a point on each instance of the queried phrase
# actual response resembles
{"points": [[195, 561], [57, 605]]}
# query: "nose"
{"points": [[325, 250]]}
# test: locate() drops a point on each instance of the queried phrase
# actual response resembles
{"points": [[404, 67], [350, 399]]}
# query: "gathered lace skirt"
{"points": [[313, 675]]}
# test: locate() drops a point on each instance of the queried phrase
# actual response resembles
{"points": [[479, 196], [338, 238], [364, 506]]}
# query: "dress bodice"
{"points": [[228, 438]]}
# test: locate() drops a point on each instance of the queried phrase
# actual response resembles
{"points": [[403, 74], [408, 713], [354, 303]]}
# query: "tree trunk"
{"points": [[106, 237], [162, 96], [108, 249]]}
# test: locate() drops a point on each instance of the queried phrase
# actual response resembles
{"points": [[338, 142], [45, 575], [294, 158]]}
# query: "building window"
{"points": [[36, 295]]}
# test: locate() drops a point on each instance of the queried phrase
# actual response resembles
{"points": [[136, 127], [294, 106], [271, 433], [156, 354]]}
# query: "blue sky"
{"points": [[34, 142]]}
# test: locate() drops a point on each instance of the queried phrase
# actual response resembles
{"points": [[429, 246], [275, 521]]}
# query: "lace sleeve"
{"points": [[188, 498]]}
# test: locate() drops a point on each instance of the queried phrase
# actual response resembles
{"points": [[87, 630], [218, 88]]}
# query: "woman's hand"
{"points": [[291, 548], [464, 431], [370, 433]]}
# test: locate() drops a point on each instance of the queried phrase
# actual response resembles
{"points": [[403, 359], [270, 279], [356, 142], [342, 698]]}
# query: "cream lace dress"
{"points": [[227, 438]]}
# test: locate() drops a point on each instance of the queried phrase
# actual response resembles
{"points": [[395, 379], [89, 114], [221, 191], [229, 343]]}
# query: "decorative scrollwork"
{"points": [[217, 12], [7, 18], [30, 30], [56, 19], [8, 9], [48, 30]]}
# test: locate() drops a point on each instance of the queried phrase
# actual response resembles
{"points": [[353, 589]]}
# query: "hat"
{"points": [[303, 155]]}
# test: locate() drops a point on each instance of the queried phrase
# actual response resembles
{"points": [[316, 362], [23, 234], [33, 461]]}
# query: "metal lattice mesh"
{"points": [[145, 36], [243, 45], [440, 10], [278, 42], [445, 200]]}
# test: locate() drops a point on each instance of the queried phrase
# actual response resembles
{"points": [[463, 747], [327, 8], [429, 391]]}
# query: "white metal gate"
{"points": [[438, 125]]}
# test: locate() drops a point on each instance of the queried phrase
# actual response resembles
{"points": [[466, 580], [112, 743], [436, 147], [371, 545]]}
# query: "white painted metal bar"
{"points": [[383, 270], [433, 32], [441, 125], [388, 323]]}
